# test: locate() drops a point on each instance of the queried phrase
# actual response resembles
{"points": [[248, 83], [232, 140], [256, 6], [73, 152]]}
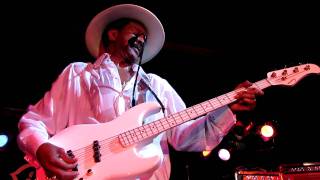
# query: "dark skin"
{"points": [[246, 100], [57, 163]]}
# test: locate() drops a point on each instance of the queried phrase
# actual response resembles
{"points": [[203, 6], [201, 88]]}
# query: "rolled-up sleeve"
{"points": [[203, 133]]}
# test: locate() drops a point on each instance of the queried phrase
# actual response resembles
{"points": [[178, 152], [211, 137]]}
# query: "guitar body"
{"points": [[117, 161]]}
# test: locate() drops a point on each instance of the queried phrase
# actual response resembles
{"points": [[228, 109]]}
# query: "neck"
{"points": [[118, 57], [125, 72]]}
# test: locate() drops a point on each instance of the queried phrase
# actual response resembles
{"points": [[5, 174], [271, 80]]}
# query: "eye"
{"points": [[144, 36]]}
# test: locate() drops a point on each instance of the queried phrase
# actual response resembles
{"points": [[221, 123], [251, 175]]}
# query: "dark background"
{"points": [[209, 49]]}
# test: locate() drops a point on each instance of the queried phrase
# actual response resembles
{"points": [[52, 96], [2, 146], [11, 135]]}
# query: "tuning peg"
{"points": [[284, 72], [307, 67]]}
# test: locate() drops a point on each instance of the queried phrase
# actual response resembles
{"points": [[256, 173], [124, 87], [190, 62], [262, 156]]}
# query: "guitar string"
{"points": [[81, 152], [258, 84], [132, 140], [148, 131], [107, 141]]}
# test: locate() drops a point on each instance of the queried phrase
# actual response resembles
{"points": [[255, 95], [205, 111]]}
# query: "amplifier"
{"points": [[257, 175], [304, 171], [302, 176]]}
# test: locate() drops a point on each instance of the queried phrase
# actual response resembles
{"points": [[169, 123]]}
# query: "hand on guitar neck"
{"points": [[56, 163], [246, 97]]}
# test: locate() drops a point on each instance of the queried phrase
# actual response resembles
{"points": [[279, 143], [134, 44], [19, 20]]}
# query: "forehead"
{"points": [[135, 26]]}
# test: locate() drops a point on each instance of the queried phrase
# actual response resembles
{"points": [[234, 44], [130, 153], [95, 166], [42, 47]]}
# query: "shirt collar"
{"points": [[105, 61]]}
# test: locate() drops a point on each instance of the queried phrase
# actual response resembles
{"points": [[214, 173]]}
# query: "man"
{"points": [[121, 38]]}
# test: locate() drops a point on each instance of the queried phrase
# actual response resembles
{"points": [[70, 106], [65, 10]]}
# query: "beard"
{"points": [[131, 55]]}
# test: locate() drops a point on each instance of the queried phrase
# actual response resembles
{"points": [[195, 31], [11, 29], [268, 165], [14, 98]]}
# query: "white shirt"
{"points": [[92, 93]]}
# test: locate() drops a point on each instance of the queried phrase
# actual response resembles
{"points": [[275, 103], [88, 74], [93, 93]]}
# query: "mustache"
{"points": [[139, 46], [135, 43]]}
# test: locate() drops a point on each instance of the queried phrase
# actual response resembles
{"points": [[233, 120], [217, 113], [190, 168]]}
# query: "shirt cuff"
{"points": [[223, 118], [36, 141], [31, 140]]}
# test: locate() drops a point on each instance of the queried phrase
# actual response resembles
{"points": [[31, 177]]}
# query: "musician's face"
{"points": [[120, 42]]}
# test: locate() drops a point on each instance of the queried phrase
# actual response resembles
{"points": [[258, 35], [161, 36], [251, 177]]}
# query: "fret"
{"points": [[128, 135], [165, 123], [161, 123], [177, 118], [195, 110], [191, 112], [143, 132], [215, 103], [231, 95], [148, 130], [153, 128], [159, 126], [256, 85], [138, 133], [171, 121], [125, 142], [228, 97], [206, 106], [133, 135], [223, 100], [211, 103], [123, 139], [200, 109], [184, 115], [262, 84]]}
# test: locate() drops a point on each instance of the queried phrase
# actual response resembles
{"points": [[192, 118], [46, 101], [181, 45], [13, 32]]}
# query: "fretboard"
{"points": [[149, 130]]}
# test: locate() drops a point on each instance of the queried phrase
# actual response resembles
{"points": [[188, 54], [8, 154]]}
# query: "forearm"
{"points": [[32, 134], [204, 133]]}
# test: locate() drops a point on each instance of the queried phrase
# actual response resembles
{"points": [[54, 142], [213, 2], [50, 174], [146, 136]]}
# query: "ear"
{"points": [[113, 34]]}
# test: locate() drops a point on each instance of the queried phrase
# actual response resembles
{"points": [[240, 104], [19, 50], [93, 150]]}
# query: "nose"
{"points": [[141, 38]]}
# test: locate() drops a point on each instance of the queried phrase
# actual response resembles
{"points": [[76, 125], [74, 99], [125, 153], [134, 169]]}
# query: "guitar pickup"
{"points": [[96, 151]]}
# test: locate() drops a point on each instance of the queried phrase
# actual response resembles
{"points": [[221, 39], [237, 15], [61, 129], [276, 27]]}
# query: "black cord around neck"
{"points": [[133, 101], [157, 98]]}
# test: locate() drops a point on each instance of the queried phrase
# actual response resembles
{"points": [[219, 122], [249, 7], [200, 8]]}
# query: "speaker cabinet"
{"points": [[302, 176], [256, 175], [304, 171]]}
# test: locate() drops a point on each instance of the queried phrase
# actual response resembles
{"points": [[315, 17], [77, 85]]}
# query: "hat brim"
{"points": [[156, 35]]}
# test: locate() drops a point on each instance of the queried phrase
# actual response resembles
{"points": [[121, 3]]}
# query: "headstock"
{"points": [[292, 75]]}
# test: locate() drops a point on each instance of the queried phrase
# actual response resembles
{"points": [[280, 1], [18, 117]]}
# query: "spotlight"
{"points": [[224, 154], [206, 153], [3, 140], [267, 131]]}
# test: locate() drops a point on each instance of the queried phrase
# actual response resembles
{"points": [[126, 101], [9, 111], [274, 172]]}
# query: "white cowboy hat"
{"points": [[153, 25]]}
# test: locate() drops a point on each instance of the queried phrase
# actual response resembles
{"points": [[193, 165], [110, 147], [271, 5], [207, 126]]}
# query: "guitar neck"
{"points": [[156, 127]]}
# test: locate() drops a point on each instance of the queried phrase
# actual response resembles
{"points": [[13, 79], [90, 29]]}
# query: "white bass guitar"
{"points": [[120, 150]]}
